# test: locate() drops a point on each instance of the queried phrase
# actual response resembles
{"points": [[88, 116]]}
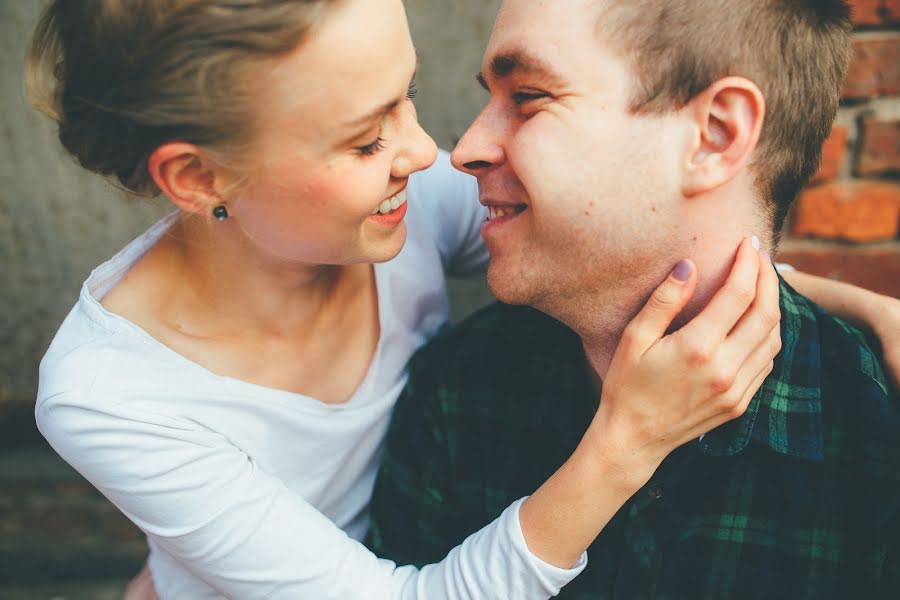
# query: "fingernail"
{"points": [[683, 270], [768, 257], [754, 241]]}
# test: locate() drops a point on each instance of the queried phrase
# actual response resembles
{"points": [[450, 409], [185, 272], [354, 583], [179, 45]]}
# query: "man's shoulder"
{"points": [[855, 390], [846, 353]]}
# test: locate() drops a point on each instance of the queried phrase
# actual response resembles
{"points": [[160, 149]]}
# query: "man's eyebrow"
{"points": [[518, 61]]}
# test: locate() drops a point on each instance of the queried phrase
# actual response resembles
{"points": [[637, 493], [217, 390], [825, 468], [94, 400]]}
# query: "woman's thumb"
{"points": [[666, 302]]}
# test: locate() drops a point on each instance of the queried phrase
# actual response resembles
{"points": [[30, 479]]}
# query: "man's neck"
{"points": [[713, 254]]}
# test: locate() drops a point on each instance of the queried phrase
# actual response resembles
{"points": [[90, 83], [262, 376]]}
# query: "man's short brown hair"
{"points": [[796, 51]]}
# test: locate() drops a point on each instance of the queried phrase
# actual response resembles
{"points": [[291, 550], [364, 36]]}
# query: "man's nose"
{"points": [[481, 147]]}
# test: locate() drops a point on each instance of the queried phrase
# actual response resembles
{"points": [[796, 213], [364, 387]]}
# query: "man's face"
{"points": [[588, 192]]}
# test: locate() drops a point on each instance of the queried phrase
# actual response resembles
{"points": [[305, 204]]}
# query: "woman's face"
{"points": [[337, 139]]}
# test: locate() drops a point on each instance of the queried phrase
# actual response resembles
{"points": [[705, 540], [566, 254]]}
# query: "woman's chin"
{"points": [[388, 249]]}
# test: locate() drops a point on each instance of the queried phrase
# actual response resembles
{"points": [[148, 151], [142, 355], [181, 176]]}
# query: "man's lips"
{"points": [[500, 211]]}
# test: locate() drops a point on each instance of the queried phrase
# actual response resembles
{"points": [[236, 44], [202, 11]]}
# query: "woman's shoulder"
{"points": [[98, 357]]}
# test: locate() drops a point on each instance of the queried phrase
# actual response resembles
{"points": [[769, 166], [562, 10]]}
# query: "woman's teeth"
{"points": [[391, 204]]}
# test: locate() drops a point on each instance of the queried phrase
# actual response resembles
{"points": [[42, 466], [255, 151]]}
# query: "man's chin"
{"points": [[508, 286]]}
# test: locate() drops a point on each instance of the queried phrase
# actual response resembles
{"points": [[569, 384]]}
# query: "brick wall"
{"points": [[845, 225]]}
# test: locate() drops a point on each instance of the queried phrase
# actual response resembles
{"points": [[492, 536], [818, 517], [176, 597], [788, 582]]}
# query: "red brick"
{"points": [[875, 12], [859, 211], [891, 11], [833, 154], [875, 68], [873, 267], [866, 12], [879, 149]]}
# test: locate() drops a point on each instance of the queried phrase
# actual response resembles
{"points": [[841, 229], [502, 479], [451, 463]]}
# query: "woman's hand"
{"points": [[662, 391], [887, 328], [141, 587]]}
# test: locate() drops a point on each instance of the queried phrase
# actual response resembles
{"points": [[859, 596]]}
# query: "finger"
{"points": [[749, 378], [737, 410], [757, 323], [730, 302], [667, 300], [759, 362]]}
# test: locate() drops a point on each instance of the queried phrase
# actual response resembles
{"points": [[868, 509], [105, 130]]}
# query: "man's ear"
{"points": [[185, 176], [729, 117]]}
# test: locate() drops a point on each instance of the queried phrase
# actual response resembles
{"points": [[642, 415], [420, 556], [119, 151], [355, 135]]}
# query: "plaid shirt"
{"points": [[799, 498]]}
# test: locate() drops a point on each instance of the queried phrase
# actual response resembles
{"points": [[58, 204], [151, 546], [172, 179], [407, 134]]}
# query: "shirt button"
{"points": [[654, 491]]}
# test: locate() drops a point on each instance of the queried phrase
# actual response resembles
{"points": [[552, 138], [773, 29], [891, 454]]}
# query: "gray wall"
{"points": [[57, 222]]}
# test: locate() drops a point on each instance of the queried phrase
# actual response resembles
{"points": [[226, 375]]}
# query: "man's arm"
{"points": [[868, 310]]}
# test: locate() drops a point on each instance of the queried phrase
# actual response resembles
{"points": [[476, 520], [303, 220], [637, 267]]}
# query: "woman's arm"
{"points": [[241, 531], [868, 310]]}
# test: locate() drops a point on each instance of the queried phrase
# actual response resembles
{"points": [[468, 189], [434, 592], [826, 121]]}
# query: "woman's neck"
{"points": [[245, 290]]}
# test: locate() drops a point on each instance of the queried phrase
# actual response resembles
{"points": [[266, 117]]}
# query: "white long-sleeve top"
{"points": [[250, 492]]}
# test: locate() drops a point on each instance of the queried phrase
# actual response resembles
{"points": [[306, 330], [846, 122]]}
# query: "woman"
{"points": [[227, 378]]}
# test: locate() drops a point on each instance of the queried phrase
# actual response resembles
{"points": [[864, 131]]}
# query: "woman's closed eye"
{"points": [[373, 148], [379, 144]]}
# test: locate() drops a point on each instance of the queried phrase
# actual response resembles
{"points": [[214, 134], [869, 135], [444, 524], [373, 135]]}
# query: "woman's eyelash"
{"points": [[373, 148], [378, 145]]}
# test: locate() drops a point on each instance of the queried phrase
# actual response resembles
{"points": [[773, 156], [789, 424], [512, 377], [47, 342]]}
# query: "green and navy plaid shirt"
{"points": [[800, 498]]}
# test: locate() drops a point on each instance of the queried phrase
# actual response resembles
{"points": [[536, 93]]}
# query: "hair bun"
{"points": [[122, 77], [106, 143]]}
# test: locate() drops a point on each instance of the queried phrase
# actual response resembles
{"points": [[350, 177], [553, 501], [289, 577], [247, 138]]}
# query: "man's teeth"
{"points": [[495, 212], [390, 204]]}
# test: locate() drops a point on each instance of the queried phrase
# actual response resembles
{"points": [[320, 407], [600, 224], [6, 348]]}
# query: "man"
{"points": [[621, 136]]}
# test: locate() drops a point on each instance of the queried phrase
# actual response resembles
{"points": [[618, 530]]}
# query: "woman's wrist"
{"points": [[564, 516], [621, 460]]}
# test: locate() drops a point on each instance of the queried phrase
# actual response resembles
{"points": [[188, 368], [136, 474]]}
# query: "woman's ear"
{"points": [[185, 176], [728, 118]]}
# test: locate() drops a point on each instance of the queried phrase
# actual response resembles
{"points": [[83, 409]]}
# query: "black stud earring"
{"points": [[220, 212]]}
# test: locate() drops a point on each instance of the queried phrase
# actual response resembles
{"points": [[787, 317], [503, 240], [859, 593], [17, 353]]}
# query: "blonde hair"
{"points": [[122, 77]]}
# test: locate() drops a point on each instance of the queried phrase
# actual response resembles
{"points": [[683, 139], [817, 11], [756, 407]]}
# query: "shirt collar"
{"points": [[785, 414]]}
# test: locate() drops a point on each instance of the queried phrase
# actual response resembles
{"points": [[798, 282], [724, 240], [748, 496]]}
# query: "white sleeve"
{"points": [[241, 531], [451, 201]]}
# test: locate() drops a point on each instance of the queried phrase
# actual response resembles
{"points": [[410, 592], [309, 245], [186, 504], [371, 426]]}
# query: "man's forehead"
{"points": [[539, 31], [540, 13]]}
